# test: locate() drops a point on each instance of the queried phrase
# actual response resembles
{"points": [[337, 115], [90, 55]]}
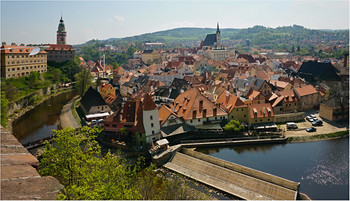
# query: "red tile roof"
{"points": [[192, 104], [260, 110], [12, 49], [229, 101], [305, 90], [148, 103]]}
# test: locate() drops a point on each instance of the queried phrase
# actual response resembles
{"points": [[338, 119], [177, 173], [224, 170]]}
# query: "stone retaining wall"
{"points": [[19, 177], [244, 170], [289, 117]]}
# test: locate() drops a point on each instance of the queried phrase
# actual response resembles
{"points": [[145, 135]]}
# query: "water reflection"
{"points": [[322, 168], [39, 122]]}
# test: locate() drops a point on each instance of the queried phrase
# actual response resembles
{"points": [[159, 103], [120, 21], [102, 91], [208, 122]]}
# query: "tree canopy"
{"points": [[83, 81], [233, 125], [75, 159]]}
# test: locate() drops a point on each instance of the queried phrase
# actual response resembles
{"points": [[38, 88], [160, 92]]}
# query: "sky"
{"points": [[35, 22]]}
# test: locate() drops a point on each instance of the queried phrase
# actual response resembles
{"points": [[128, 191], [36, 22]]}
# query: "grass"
{"points": [[338, 134]]}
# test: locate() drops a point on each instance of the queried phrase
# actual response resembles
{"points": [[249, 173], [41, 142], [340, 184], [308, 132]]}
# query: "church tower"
{"points": [[218, 38], [61, 33]]}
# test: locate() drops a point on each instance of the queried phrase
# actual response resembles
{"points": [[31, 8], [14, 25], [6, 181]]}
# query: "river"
{"points": [[38, 122], [322, 167]]}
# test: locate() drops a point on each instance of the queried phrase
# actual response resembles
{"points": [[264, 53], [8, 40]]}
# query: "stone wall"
{"points": [[244, 170], [289, 117], [19, 177]]}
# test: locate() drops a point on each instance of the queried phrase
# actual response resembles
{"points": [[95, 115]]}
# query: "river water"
{"points": [[322, 167], [38, 122]]}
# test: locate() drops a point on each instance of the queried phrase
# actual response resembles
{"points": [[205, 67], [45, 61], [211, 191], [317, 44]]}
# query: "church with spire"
{"points": [[213, 40], [60, 51], [212, 46]]}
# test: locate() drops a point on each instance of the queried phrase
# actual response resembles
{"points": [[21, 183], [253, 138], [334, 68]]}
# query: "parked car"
{"points": [[317, 123], [315, 118], [291, 125], [311, 115], [311, 129], [310, 119]]}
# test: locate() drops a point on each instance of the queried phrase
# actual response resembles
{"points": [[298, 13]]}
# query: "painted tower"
{"points": [[218, 38], [61, 33]]}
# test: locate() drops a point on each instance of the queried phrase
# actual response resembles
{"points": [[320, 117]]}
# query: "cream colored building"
{"points": [[16, 61], [217, 54], [151, 56]]}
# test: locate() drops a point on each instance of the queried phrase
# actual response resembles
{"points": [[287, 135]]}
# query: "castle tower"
{"points": [[218, 38], [61, 33]]}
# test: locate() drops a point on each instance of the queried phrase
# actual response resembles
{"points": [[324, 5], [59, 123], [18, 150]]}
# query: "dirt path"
{"points": [[66, 117]]}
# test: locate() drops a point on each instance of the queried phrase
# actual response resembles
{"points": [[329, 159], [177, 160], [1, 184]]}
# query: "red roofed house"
{"points": [[309, 97], [140, 118], [197, 110], [260, 113], [287, 102], [234, 106]]}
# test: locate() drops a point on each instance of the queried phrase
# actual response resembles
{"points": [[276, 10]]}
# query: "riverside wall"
{"points": [[244, 170]]}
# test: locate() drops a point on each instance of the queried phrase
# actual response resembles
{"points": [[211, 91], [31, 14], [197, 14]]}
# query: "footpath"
{"points": [[66, 118], [19, 177]]}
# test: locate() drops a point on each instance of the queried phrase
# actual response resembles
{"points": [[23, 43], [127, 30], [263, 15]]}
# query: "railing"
{"points": [[38, 143]]}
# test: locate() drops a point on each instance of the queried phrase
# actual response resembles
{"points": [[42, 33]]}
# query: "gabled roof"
{"points": [[253, 95], [323, 71], [209, 40], [304, 90], [17, 49], [247, 57], [164, 112], [279, 84], [179, 83], [229, 101], [148, 103], [192, 100], [92, 98]]}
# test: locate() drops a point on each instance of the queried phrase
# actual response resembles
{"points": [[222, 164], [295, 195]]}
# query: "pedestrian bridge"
{"points": [[237, 180]]}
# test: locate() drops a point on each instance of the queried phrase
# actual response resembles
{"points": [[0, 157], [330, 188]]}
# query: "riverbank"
{"points": [[319, 137], [23, 111], [66, 117]]}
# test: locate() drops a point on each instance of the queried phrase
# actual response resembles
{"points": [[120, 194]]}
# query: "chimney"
{"points": [[3, 43], [227, 96], [264, 110], [13, 44], [275, 84]]}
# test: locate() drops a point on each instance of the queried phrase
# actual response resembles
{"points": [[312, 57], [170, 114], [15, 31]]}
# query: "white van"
{"points": [[291, 125]]}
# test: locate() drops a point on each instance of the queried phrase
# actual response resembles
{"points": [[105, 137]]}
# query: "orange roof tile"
{"points": [[148, 103], [305, 90], [13, 49], [229, 101], [260, 110], [193, 102], [164, 113]]}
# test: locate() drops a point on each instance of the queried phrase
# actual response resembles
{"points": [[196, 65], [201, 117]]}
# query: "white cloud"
{"points": [[118, 18]]}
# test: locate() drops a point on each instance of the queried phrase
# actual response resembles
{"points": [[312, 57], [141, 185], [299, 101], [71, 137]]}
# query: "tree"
{"points": [[298, 48], [4, 109], [83, 81], [130, 51], [234, 125]]}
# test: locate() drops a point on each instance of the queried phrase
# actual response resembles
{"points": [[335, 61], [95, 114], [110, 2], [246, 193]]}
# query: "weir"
{"points": [[232, 178]]}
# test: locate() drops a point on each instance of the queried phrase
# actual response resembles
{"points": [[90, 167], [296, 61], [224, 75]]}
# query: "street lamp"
{"points": [[36, 49]]}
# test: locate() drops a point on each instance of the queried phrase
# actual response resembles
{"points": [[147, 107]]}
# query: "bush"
{"points": [[233, 125]]}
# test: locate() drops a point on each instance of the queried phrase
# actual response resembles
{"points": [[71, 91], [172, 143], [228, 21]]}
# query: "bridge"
{"points": [[237, 180]]}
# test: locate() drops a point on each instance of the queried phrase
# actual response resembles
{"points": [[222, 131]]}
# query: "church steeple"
{"points": [[61, 33], [217, 28], [218, 37]]}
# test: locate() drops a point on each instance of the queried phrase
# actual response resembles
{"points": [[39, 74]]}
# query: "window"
{"points": [[107, 125], [260, 120], [242, 110], [140, 134], [151, 117], [152, 132], [199, 120], [152, 125], [114, 125], [13, 69], [237, 110], [191, 121], [256, 120], [245, 115]]}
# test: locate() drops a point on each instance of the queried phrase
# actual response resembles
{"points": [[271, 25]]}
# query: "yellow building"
{"points": [[16, 61], [335, 109], [151, 56], [234, 106], [106, 89], [260, 113]]}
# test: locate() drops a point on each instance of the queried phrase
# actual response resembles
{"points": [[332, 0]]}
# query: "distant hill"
{"points": [[257, 35]]}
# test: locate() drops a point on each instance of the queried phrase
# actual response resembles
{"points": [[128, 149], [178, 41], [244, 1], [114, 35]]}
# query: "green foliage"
{"points": [[4, 109], [83, 81], [68, 68], [234, 125], [74, 158], [130, 51], [123, 131], [35, 99]]}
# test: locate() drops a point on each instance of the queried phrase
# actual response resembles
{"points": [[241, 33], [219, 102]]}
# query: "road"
{"points": [[66, 117]]}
